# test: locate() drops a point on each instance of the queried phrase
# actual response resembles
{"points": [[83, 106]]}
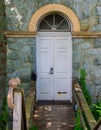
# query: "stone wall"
{"points": [[87, 55], [2, 54], [86, 52], [19, 12], [21, 57]]}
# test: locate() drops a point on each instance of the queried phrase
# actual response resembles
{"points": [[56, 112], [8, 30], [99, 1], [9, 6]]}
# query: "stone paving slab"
{"points": [[54, 117]]}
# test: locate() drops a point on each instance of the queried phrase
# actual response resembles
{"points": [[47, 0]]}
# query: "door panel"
{"points": [[54, 53], [62, 68], [44, 62], [62, 89]]}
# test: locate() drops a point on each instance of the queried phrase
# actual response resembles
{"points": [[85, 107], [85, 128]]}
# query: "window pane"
{"points": [[49, 19], [58, 19], [44, 25], [64, 25]]}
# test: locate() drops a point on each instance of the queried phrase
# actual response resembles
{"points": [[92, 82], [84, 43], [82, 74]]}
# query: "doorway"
{"points": [[54, 66], [54, 58]]}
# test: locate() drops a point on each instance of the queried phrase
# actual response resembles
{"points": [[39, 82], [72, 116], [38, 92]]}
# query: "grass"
{"points": [[34, 128]]}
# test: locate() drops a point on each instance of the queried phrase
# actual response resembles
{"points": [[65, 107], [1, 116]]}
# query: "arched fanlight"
{"points": [[54, 22]]}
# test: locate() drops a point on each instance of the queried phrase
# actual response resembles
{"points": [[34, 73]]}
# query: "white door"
{"points": [[54, 66]]}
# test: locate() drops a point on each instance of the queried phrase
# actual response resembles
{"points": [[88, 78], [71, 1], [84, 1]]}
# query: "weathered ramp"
{"points": [[54, 116]]}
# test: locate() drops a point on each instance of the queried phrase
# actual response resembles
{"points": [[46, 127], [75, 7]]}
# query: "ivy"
{"points": [[82, 82]]}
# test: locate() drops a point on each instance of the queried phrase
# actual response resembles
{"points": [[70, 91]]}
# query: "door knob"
{"points": [[51, 70]]}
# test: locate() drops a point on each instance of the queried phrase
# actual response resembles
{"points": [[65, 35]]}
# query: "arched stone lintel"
{"points": [[52, 8]]}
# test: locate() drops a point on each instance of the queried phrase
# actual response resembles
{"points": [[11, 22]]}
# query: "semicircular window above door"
{"points": [[53, 23]]}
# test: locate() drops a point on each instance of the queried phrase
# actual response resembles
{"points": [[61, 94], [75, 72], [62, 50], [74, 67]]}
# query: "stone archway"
{"points": [[52, 8]]}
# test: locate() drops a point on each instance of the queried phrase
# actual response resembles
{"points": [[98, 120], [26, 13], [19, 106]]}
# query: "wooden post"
{"points": [[98, 125], [17, 112]]}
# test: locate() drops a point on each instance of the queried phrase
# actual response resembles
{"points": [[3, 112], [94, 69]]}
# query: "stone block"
{"points": [[11, 40], [93, 20], [32, 58], [99, 10], [97, 61], [32, 41], [24, 26], [25, 78], [76, 65], [69, 3], [23, 41], [97, 43], [97, 73], [95, 28], [23, 57], [25, 71], [12, 27], [26, 65], [98, 27], [29, 14], [98, 90], [11, 20], [25, 86], [99, 3], [91, 90], [97, 81], [12, 56], [17, 64], [85, 9], [79, 13], [99, 19], [17, 3], [93, 12], [31, 3], [78, 1], [93, 52], [85, 25], [26, 49], [10, 69], [77, 55], [15, 46], [33, 50], [9, 63], [86, 63], [84, 46], [93, 3]]}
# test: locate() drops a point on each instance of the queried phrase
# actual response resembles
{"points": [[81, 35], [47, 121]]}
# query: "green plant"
{"points": [[34, 128], [96, 110], [78, 123], [82, 82]]}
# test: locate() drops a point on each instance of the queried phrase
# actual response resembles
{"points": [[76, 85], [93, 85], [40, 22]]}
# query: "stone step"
{"points": [[54, 116]]}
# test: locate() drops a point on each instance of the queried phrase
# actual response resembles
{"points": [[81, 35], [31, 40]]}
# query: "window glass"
{"points": [[54, 22]]}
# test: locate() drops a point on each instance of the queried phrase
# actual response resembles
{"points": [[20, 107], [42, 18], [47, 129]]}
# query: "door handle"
{"points": [[51, 70]]}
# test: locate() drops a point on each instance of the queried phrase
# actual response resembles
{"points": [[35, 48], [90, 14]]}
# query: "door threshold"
{"points": [[53, 102]]}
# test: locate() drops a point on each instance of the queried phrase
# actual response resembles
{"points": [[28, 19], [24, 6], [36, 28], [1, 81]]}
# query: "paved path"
{"points": [[54, 117]]}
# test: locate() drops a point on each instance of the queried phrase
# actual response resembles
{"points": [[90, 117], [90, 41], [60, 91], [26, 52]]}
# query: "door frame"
{"points": [[54, 34]]}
